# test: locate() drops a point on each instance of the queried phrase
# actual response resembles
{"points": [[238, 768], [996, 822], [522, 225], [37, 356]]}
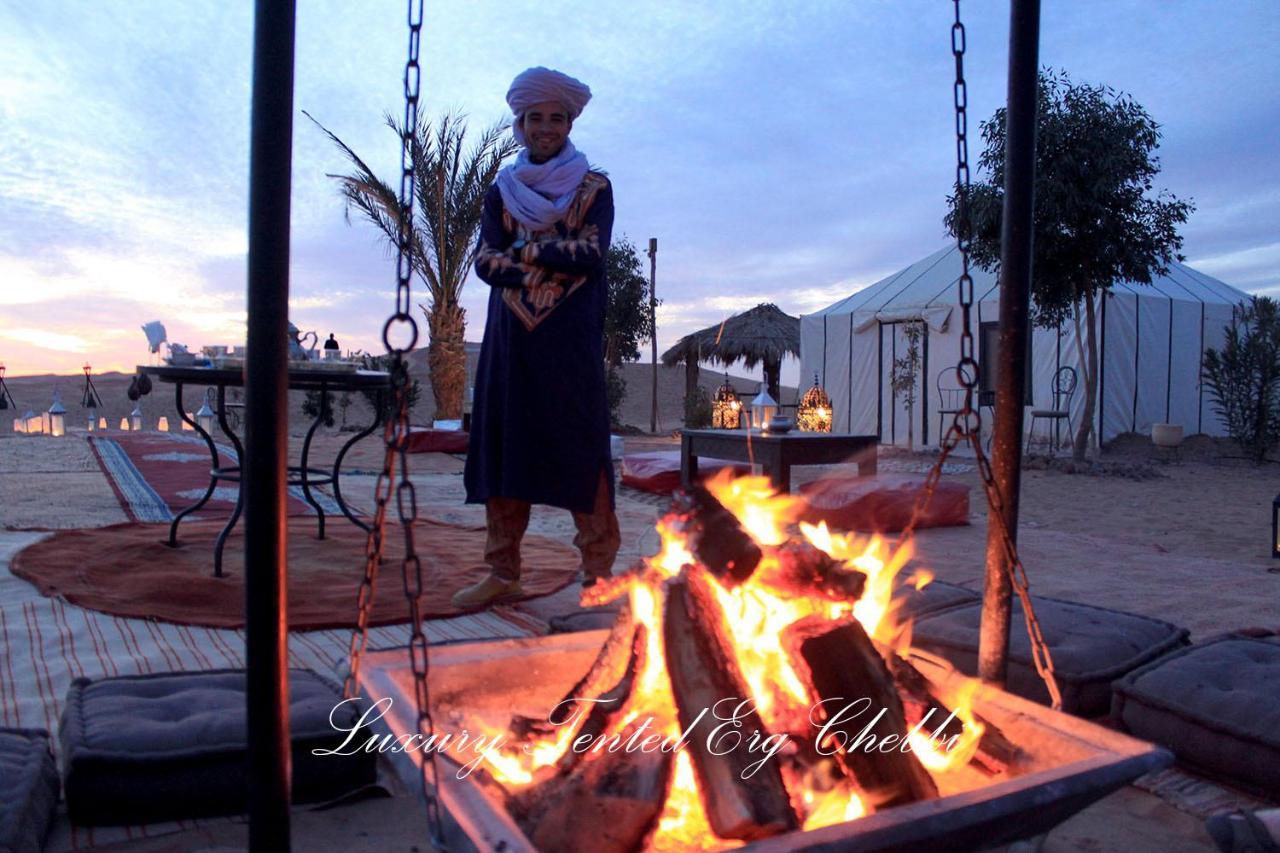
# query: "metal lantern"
{"points": [[204, 417], [762, 409], [57, 417], [135, 418], [726, 408], [814, 412]]}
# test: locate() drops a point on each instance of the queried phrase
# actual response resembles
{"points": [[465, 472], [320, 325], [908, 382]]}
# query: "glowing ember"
{"points": [[756, 616]]}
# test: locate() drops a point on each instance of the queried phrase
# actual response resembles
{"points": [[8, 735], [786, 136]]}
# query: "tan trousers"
{"points": [[598, 536]]}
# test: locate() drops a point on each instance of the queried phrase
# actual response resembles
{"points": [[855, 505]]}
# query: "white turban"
{"points": [[536, 85]]}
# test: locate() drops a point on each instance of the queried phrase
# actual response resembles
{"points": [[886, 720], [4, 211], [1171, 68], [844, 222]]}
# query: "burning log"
{"points": [[847, 672], [995, 751], [608, 804], [717, 538], [609, 667], [742, 801], [608, 705], [806, 567]]}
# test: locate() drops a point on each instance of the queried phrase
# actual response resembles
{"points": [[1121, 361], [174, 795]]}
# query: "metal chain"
{"points": [[395, 467], [966, 424]]}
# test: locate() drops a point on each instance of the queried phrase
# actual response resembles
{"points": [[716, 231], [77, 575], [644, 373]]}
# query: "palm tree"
{"points": [[449, 190]]}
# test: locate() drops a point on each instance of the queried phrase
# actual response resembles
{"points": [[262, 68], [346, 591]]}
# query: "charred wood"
{"points": [[742, 801], [716, 537]]}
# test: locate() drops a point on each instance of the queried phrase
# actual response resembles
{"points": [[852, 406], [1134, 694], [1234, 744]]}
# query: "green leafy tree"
{"points": [[450, 184], [1098, 219], [904, 374], [628, 322], [1243, 377]]}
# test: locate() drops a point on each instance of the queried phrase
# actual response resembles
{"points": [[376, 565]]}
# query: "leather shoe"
{"points": [[491, 590]]}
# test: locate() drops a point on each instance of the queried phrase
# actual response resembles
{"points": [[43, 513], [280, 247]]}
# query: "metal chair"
{"points": [[950, 400], [1064, 387]]}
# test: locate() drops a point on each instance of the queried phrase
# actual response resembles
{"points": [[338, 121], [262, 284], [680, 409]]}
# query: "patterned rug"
{"points": [[156, 475]]}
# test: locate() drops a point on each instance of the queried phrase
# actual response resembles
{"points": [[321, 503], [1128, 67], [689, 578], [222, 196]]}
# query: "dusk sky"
{"points": [[780, 152]]}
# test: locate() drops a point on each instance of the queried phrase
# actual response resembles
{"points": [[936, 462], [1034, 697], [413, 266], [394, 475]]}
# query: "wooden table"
{"points": [[776, 453], [301, 378]]}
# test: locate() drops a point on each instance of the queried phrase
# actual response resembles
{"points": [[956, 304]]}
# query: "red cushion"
{"points": [[659, 470], [883, 503], [427, 440]]}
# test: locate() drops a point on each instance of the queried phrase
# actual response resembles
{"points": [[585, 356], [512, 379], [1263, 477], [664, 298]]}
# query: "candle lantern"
{"points": [[186, 423], [57, 417], [204, 417], [762, 409], [726, 408], [124, 424], [135, 418], [34, 423], [162, 425], [814, 412], [102, 423]]}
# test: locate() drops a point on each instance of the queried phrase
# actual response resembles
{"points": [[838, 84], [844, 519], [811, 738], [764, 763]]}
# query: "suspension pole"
{"points": [[266, 448], [1015, 296], [653, 328]]}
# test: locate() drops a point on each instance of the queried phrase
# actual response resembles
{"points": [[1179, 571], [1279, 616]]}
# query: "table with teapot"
{"points": [[219, 370]]}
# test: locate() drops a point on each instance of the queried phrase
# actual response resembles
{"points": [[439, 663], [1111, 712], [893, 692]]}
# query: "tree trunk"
{"points": [[1081, 444], [447, 358], [690, 378]]}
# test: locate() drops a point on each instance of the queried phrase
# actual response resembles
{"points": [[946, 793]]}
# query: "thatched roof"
{"points": [[764, 333]]}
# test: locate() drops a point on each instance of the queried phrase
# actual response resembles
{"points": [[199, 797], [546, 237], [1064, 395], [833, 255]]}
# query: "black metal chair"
{"points": [[950, 400], [1064, 387]]}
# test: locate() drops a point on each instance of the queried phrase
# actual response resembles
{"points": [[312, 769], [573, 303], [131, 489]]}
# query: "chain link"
{"points": [[395, 469], [966, 424]]}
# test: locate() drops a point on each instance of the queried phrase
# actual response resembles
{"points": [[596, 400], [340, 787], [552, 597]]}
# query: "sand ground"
{"points": [[1186, 541]]}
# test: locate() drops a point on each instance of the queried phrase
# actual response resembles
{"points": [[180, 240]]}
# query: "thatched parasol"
{"points": [[763, 334]]}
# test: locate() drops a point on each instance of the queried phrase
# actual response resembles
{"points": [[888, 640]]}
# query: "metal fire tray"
{"points": [[1070, 763]]}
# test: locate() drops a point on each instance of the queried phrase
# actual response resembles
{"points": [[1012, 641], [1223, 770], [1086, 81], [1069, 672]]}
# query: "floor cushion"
{"points": [[28, 789], [428, 440], [1215, 704], [658, 471], [934, 597], [168, 746], [883, 503], [1090, 646]]}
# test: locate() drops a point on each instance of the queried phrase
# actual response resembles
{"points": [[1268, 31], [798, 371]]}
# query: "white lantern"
{"points": [[135, 418], [102, 423], [93, 419], [57, 417], [124, 424], [162, 425], [204, 417], [762, 409]]}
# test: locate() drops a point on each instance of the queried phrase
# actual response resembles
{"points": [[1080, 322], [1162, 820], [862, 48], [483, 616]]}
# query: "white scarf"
{"points": [[539, 194]]}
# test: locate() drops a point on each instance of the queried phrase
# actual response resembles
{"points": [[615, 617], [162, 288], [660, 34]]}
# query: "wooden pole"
{"points": [[266, 427], [1015, 297], [653, 326]]}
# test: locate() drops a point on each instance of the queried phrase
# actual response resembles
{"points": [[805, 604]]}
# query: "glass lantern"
{"points": [[204, 417], [57, 417], [762, 409], [814, 412], [726, 408]]}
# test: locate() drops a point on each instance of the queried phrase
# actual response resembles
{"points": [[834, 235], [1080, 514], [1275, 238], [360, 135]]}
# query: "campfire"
{"points": [[756, 682]]}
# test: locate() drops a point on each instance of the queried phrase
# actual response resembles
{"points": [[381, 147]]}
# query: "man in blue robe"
{"points": [[540, 421]]}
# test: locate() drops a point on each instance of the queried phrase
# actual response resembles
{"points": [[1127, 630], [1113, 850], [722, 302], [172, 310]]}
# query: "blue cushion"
{"points": [[1215, 704], [28, 789], [1090, 646], [169, 746]]}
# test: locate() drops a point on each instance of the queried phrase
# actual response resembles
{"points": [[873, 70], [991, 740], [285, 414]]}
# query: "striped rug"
{"points": [[45, 643]]}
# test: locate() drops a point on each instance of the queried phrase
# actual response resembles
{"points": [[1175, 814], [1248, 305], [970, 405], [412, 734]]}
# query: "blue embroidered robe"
{"points": [[540, 419]]}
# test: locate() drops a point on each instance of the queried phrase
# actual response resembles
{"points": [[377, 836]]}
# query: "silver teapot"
{"points": [[298, 349]]}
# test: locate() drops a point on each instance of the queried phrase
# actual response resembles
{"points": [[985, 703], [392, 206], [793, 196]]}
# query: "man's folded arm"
{"points": [[583, 252]]}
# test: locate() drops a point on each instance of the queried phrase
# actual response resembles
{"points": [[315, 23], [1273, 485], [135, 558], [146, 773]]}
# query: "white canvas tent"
{"points": [[1152, 339]]}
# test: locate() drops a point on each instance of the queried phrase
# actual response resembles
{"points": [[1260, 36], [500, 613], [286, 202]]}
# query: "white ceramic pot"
{"points": [[1166, 435]]}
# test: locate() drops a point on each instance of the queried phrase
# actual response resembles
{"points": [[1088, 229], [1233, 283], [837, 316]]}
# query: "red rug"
{"points": [[127, 570], [155, 475]]}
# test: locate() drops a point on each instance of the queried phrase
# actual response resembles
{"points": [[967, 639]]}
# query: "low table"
{"points": [[301, 378], [775, 452]]}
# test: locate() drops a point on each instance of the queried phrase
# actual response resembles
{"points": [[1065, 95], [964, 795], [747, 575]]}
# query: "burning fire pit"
{"points": [[757, 689]]}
